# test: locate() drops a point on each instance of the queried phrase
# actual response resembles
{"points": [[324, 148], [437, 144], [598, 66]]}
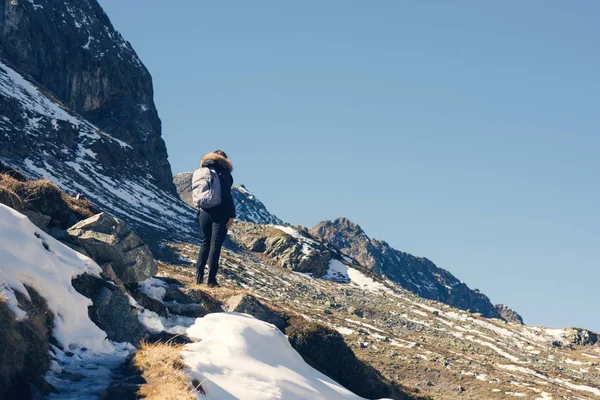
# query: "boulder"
{"points": [[246, 304], [110, 310], [108, 240], [298, 253], [149, 303], [582, 337]]}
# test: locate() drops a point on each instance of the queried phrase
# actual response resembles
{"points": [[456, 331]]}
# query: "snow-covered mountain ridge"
{"points": [[47, 140]]}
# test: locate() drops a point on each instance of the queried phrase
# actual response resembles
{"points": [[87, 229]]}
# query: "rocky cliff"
{"points": [[76, 107], [417, 274], [72, 51]]}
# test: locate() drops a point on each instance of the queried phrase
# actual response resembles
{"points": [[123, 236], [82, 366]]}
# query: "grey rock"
{"points": [[109, 240], [187, 310], [285, 250], [356, 311], [40, 220], [149, 303], [246, 304], [110, 310]]}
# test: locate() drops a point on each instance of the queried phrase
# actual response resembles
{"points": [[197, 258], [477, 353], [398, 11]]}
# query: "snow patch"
{"points": [[240, 357], [340, 272], [154, 288]]}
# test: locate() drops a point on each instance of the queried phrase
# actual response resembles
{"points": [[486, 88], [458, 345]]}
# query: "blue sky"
{"points": [[466, 132]]}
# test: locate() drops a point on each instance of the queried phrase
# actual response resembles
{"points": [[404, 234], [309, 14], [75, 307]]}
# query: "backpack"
{"points": [[206, 188]]}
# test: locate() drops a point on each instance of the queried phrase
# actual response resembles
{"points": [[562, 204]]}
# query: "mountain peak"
{"points": [[417, 274], [341, 224]]}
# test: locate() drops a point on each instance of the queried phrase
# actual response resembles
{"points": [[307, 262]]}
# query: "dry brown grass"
{"points": [[162, 368], [45, 197], [24, 356]]}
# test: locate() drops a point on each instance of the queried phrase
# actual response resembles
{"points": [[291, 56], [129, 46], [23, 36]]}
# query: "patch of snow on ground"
{"points": [[154, 288], [30, 257], [344, 331], [93, 371], [573, 362], [293, 233], [340, 272], [174, 324], [240, 357], [582, 388]]}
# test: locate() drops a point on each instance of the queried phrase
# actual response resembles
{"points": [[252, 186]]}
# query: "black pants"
{"points": [[214, 234]]}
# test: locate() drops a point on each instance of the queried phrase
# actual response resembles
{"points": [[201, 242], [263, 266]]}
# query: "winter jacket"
{"points": [[223, 167]]}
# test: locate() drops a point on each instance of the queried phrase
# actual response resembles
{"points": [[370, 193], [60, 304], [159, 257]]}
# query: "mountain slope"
{"points": [[42, 138], [71, 50], [247, 206], [419, 275], [442, 351]]}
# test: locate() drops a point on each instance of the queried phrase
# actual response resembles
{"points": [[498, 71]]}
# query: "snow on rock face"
{"points": [[60, 146], [71, 50], [250, 209], [339, 272], [31, 257], [240, 357]]}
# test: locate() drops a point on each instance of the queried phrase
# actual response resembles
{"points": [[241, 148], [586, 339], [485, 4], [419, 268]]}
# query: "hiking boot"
{"points": [[213, 284]]}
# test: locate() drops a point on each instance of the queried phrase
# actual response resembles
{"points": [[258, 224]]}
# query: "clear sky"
{"points": [[466, 132]]}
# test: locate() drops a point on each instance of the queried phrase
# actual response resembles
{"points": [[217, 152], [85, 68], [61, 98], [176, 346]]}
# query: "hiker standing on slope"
{"points": [[211, 192]]}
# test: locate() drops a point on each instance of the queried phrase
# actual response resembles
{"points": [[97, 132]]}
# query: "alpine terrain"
{"points": [[98, 243]]}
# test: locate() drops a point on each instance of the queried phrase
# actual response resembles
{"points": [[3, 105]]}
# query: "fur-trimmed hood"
{"points": [[210, 159]]}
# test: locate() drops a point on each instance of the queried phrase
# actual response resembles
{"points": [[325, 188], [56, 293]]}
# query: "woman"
{"points": [[215, 221]]}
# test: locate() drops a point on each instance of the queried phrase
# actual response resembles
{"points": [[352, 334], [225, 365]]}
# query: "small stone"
{"points": [[429, 383]]}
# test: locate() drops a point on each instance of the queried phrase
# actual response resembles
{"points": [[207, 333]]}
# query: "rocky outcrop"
{"points": [[99, 76], [582, 337], [293, 252], [417, 274], [110, 309], [246, 304], [108, 240], [24, 347], [248, 207], [509, 314], [183, 185]]}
